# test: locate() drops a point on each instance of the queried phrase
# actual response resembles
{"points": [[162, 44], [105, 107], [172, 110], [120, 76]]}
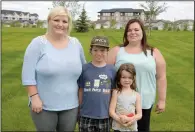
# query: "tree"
{"points": [[72, 5], [15, 24], [112, 23], [169, 28], [165, 26], [146, 13], [101, 27], [153, 9], [93, 26], [39, 23], [82, 23], [185, 26], [175, 27], [27, 25]]}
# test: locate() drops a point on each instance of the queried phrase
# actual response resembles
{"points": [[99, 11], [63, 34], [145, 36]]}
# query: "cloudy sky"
{"points": [[177, 9]]}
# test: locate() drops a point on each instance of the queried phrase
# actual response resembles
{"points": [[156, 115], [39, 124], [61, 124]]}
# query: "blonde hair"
{"points": [[60, 10]]}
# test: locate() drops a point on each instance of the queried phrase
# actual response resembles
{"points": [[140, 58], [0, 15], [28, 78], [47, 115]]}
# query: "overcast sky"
{"points": [[177, 9]]}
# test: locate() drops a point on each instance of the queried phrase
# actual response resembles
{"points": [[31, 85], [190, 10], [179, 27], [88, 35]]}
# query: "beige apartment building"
{"points": [[121, 14]]}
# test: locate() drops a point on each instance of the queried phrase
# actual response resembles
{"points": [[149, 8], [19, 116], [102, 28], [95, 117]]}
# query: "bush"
{"points": [[169, 29], [15, 24], [185, 27], [146, 27], [92, 26], [155, 28], [177, 29], [6, 25], [34, 26]]}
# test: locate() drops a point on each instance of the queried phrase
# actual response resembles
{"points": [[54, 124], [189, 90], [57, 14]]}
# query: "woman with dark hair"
{"points": [[150, 69]]}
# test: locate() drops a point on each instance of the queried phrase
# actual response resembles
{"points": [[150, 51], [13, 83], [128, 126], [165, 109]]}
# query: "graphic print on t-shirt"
{"points": [[101, 84], [96, 83]]}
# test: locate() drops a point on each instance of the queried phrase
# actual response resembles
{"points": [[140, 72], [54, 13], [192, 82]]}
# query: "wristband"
{"points": [[33, 95]]}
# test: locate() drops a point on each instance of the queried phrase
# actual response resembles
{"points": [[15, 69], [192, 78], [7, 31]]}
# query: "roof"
{"points": [[104, 21], [184, 20], [34, 14], [126, 10], [160, 20], [18, 12], [147, 11]]}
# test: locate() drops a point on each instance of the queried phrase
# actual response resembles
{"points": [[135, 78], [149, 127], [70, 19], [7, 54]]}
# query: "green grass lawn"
{"points": [[176, 47]]}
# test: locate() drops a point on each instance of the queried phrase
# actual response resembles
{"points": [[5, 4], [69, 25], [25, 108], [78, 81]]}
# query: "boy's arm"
{"points": [[80, 82], [80, 92], [80, 95]]}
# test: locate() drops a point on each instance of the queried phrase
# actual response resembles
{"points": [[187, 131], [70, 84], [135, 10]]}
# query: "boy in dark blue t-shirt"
{"points": [[95, 84]]}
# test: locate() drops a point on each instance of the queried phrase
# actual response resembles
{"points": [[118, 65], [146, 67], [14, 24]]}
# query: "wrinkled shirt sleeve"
{"points": [[31, 58]]}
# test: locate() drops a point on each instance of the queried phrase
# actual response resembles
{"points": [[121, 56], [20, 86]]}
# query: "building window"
{"points": [[136, 13], [127, 14], [117, 14], [106, 14]]}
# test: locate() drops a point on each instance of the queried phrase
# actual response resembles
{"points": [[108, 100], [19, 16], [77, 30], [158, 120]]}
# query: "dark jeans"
{"points": [[144, 122]]}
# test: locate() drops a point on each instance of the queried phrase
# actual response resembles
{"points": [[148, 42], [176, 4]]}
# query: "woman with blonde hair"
{"points": [[52, 65]]}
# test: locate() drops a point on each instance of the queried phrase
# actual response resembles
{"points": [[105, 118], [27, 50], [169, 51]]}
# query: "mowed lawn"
{"points": [[176, 47]]}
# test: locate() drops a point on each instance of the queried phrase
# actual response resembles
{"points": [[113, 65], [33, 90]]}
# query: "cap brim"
{"points": [[100, 45]]}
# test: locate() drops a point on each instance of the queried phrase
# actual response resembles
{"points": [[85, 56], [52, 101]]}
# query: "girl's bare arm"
{"points": [[113, 106]]}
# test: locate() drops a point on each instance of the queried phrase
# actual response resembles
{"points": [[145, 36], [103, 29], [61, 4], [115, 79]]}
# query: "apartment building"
{"points": [[11, 15], [121, 14]]}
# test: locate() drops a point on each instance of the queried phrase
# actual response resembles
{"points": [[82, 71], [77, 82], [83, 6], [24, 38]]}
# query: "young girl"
{"points": [[125, 106]]}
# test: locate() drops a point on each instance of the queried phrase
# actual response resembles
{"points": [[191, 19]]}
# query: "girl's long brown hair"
{"points": [[129, 68], [144, 42]]}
